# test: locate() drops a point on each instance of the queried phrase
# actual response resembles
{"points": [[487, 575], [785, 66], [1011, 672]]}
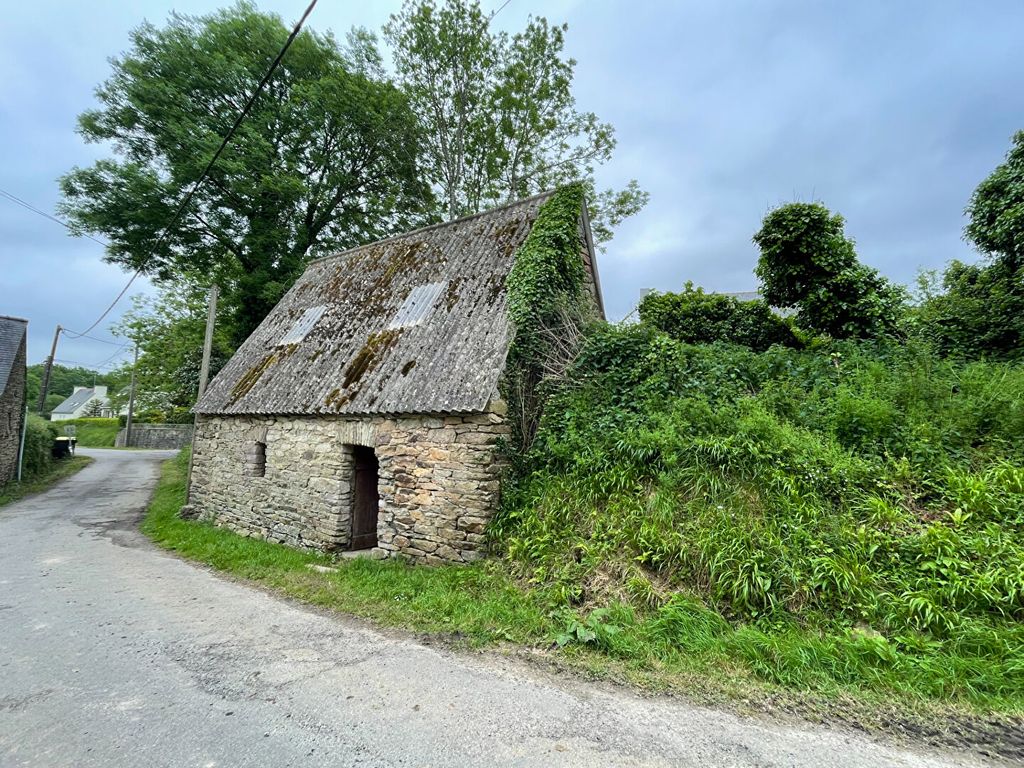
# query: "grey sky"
{"points": [[888, 112]]}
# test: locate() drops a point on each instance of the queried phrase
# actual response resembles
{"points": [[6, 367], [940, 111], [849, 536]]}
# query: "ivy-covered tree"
{"points": [[808, 263], [499, 116], [326, 159]]}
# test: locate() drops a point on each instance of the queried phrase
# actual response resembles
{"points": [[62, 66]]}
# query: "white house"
{"points": [[80, 404]]}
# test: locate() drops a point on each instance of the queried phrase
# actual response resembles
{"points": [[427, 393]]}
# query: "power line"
{"points": [[500, 9], [68, 227], [209, 166]]}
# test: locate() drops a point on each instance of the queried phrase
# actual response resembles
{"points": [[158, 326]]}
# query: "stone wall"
{"points": [[12, 415], [438, 480], [164, 436]]}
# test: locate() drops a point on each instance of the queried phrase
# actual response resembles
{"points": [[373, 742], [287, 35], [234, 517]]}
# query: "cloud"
{"points": [[889, 113]]}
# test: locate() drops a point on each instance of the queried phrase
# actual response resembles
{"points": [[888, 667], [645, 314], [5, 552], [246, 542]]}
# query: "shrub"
{"points": [[695, 317], [39, 436]]}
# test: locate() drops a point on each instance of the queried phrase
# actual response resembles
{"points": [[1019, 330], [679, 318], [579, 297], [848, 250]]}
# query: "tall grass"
{"points": [[846, 516]]}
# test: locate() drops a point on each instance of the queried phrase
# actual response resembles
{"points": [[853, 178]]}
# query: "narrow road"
{"points": [[113, 653]]}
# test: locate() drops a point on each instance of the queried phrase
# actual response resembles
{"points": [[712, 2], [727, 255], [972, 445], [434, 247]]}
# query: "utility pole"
{"points": [[44, 386], [131, 403], [204, 372], [211, 317]]}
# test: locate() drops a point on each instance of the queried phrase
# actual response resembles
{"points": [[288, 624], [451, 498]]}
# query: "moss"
{"points": [[245, 384], [451, 293], [370, 355]]}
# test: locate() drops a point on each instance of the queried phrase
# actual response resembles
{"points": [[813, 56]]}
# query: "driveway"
{"points": [[113, 653]]}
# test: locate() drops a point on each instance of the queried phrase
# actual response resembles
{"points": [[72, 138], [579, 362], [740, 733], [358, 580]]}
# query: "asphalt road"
{"points": [[113, 653]]}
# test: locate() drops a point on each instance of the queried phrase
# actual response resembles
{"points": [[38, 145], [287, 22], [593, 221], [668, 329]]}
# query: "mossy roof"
{"points": [[361, 355], [12, 338]]}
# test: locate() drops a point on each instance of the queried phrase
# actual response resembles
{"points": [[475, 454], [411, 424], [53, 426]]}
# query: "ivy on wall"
{"points": [[546, 300]]}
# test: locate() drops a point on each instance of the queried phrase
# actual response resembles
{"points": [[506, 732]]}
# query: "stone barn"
{"points": [[364, 411], [12, 393]]}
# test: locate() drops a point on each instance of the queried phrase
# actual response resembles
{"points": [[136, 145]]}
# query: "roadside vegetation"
{"points": [[39, 469]]}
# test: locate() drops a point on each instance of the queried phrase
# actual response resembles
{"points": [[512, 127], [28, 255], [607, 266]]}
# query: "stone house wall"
{"points": [[289, 479], [12, 415]]}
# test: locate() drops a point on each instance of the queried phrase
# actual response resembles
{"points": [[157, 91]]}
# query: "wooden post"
{"points": [[131, 403], [211, 316], [44, 385], [204, 372]]}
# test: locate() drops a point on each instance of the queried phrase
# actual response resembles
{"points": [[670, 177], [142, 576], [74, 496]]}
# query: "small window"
{"points": [[257, 460]]}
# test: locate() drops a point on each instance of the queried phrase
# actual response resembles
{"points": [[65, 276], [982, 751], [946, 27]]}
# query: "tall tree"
{"points": [[326, 159], [500, 119]]}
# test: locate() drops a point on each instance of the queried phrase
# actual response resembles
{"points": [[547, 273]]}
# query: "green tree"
{"points": [[996, 210], [807, 262], [94, 409], [326, 159], [499, 117], [979, 309], [168, 330]]}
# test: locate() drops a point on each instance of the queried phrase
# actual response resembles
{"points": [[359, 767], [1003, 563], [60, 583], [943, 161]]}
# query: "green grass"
{"points": [[92, 433], [683, 646], [480, 603], [56, 472]]}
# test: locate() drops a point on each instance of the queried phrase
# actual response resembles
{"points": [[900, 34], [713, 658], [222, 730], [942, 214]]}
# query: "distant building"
{"points": [[12, 393], [82, 403], [364, 412]]}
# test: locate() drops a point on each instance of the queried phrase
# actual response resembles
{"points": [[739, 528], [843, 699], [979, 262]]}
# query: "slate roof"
{"points": [[12, 335], [76, 401], [413, 324]]}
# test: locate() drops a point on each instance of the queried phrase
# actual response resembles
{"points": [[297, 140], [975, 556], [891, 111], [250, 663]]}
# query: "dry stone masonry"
{"points": [[438, 480]]}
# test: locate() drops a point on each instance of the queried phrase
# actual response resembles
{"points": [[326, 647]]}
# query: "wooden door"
{"points": [[365, 499]]}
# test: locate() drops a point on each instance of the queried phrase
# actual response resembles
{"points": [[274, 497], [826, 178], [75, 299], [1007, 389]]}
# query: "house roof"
{"points": [[12, 335], [76, 401], [413, 324]]}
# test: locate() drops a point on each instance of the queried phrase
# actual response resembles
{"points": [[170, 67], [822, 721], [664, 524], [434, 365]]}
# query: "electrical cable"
{"points": [[209, 166]]}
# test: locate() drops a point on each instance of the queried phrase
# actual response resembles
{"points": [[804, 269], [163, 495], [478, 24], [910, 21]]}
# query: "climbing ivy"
{"points": [[545, 291]]}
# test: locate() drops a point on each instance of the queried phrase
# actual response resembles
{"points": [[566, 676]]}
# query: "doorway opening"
{"points": [[365, 498]]}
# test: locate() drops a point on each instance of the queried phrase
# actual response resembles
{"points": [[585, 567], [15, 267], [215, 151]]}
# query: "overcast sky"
{"points": [[888, 112]]}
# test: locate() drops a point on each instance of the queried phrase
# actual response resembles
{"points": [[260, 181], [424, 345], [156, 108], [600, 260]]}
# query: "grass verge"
{"points": [[57, 471], [483, 605]]}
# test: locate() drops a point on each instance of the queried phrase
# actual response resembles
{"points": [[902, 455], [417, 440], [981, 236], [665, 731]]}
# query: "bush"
{"points": [[979, 313], [39, 436], [695, 317], [858, 488]]}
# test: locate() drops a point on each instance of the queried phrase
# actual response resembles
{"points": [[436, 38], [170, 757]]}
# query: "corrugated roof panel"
{"points": [[302, 326], [417, 305]]}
